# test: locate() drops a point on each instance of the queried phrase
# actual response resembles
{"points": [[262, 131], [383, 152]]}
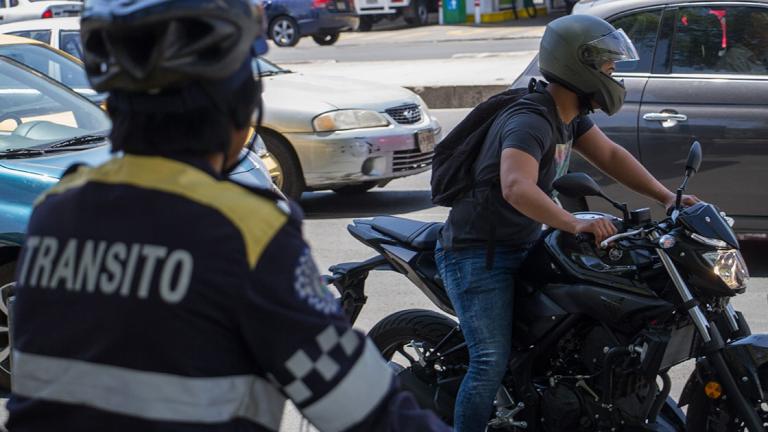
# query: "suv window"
{"points": [[642, 28], [69, 41], [13, 3], [3, 4], [721, 40], [43, 36]]}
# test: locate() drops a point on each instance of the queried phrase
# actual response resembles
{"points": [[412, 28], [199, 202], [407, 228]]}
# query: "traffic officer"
{"points": [[156, 294]]}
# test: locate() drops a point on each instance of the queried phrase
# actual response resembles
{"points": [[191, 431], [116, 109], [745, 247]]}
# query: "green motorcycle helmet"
{"points": [[572, 52]]}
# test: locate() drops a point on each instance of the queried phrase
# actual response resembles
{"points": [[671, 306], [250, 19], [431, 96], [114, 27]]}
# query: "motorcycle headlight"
{"points": [[348, 119], [729, 265]]}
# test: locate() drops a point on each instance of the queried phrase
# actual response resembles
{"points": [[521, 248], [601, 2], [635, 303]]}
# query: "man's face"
{"points": [[608, 68]]}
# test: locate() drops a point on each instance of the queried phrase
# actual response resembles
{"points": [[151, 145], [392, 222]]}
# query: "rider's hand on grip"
{"points": [[601, 228]]}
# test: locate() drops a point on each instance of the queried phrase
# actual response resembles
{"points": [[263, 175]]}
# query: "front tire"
{"points": [[7, 275], [419, 14], [356, 189], [288, 167], [284, 31], [366, 24], [326, 39]]}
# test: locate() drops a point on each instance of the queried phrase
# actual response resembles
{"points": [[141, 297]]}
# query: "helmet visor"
{"points": [[613, 47]]}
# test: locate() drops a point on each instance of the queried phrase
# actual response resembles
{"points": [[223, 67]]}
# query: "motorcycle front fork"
{"points": [[713, 345]]}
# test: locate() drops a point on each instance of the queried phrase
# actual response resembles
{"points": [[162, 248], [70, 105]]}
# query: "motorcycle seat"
{"points": [[416, 234]]}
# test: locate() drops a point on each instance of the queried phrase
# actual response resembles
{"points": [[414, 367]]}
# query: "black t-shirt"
{"points": [[533, 126]]}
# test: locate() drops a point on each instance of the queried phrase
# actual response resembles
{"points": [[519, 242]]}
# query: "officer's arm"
{"points": [[301, 339]]}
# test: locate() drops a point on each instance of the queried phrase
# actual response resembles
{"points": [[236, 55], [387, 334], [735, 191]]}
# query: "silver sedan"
{"points": [[340, 134]]}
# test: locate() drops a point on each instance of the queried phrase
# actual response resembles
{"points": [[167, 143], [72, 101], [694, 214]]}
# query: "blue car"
{"points": [[45, 127], [324, 20]]}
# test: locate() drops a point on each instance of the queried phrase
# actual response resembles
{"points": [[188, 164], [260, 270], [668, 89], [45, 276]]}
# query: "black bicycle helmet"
{"points": [[572, 51], [146, 45]]}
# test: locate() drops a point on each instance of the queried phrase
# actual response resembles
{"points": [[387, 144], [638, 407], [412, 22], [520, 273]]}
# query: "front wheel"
{"points": [[7, 274], [356, 188], [287, 172], [366, 24], [284, 31], [326, 39], [419, 15]]}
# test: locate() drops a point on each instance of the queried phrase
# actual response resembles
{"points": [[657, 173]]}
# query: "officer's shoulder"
{"points": [[271, 198]]}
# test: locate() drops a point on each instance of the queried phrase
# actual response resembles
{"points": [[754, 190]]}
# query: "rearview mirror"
{"points": [[694, 159], [577, 185]]}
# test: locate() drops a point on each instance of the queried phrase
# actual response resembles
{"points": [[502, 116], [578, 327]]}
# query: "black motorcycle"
{"points": [[597, 329]]}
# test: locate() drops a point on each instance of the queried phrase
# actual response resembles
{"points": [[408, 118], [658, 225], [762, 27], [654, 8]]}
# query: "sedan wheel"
{"points": [[286, 173], [7, 273], [284, 31]]}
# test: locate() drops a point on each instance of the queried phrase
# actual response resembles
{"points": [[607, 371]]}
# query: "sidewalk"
{"points": [[514, 29], [459, 82]]}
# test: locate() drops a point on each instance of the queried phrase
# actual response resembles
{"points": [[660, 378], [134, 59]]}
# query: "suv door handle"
{"points": [[667, 119]]}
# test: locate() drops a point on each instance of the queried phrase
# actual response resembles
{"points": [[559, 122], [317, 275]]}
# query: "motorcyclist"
{"points": [[526, 149], [156, 294]]}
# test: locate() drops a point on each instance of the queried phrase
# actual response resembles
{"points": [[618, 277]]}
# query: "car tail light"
{"points": [[47, 14], [319, 4]]}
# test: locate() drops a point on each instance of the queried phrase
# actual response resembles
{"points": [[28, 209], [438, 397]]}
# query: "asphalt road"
{"points": [[328, 214], [308, 51]]}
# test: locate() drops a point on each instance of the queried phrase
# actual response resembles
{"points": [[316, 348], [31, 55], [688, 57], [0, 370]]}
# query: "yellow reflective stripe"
{"points": [[257, 218]]}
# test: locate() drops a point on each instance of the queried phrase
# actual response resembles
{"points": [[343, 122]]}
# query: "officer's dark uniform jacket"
{"points": [[153, 295]]}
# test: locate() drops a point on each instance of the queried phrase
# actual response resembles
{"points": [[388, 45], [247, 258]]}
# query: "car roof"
{"points": [[16, 40], [608, 8], [67, 23]]}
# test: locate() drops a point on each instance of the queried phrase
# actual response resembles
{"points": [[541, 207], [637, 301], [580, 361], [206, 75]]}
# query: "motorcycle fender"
{"points": [[748, 360], [349, 280]]}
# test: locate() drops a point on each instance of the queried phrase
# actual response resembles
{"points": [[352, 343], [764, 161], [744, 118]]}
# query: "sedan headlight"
{"points": [[729, 265], [348, 119]]}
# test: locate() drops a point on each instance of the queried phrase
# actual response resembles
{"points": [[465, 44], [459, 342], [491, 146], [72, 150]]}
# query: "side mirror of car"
{"points": [[577, 185]]}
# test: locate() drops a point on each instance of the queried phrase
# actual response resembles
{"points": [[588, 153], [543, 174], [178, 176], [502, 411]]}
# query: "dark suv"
{"points": [[290, 20], [703, 72]]}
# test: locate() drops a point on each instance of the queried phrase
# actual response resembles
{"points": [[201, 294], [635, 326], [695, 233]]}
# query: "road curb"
{"points": [[458, 96]]}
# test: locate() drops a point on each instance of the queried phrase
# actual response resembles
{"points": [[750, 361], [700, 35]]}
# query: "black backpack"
{"points": [[454, 156]]}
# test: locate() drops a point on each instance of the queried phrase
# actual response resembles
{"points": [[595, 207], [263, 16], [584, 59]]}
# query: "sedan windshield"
{"points": [[47, 61], [267, 68], [37, 112]]}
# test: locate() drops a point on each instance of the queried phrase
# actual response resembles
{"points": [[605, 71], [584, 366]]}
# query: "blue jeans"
{"points": [[483, 301]]}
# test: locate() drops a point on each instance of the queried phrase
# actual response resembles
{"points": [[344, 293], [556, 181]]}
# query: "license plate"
{"points": [[371, 2], [342, 6], [425, 140]]}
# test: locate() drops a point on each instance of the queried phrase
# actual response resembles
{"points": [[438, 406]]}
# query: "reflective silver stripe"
{"points": [[148, 395], [353, 399]]}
